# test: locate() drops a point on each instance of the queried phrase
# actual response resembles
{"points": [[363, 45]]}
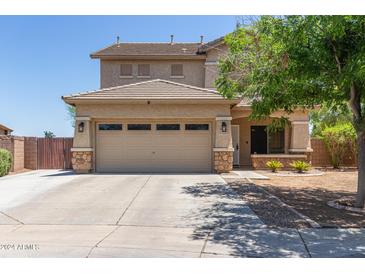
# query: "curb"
{"points": [[348, 208]]}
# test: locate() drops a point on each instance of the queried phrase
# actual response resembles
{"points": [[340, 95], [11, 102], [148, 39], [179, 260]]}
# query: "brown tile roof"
{"points": [[148, 49], [149, 90]]}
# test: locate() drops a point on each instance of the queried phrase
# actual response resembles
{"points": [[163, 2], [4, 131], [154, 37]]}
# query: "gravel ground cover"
{"points": [[268, 209]]}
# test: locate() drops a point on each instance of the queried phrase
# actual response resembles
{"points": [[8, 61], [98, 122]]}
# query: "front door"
{"points": [[236, 144], [258, 140]]}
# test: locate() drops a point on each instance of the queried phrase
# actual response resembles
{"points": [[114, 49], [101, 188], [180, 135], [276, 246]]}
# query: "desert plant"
{"points": [[5, 162], [300, 166], [339, 139], [274, 165]]}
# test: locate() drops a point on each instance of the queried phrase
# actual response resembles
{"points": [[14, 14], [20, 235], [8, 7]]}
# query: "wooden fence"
{"points": [[54, 153], [321, 157]]}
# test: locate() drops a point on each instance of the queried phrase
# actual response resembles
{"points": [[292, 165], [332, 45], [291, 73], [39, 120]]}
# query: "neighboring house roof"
{"points": [[5, 128], [149, 90], [148, 49]]}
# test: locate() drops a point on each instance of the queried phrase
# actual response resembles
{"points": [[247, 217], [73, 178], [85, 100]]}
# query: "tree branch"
{"points": [[354, 102], [336, 57]]}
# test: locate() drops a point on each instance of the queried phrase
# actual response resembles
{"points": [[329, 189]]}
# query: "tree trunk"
{"points": [[360, 197]]}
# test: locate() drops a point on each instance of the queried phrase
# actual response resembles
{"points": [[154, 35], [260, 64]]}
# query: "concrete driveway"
{"points": [[60, 214]]}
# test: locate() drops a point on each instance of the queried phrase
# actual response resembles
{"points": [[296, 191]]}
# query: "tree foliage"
{"points": [[339, 139], [49, 134], [71, 113], [299, 62], [325, 117], [5, 162]]}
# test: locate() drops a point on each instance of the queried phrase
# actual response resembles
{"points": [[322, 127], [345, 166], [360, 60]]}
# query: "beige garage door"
{"points": [[153, 147]]}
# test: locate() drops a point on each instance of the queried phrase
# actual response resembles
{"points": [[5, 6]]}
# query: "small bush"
{"points": [[5, 162], [339, 139], [300, 166], [274, 165]]}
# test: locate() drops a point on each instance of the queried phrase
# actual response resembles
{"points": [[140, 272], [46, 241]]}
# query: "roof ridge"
{"points": [[143, 82], [189, 86]]}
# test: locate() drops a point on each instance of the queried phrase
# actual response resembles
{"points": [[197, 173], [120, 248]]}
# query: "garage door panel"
{"points": [[153, 151]]}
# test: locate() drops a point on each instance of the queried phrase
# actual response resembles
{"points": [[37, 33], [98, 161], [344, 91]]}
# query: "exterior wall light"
{"points": [[81, 127], [224, 127]]}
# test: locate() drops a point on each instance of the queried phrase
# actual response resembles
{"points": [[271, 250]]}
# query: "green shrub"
{"points": [[300, 166], [339, 139], [5, 162], [274, 165]]}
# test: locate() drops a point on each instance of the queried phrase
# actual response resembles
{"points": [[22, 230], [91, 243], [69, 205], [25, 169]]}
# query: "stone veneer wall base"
{"points": [[82, 161], [223, 161], [259, 161]]}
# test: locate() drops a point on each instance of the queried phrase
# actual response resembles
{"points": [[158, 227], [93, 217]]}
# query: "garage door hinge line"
{"points": [[135, 196]]}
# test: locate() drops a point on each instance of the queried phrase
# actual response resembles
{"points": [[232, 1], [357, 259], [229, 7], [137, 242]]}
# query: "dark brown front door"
{"points": [[258, 140]]}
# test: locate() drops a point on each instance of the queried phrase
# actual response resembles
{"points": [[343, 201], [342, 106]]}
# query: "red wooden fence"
{"points": [[54, 153]]}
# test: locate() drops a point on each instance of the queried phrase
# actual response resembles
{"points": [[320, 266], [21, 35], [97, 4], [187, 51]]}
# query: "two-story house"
{"points": [[157, 111]]}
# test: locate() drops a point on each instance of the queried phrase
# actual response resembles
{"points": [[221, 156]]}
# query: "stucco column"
{"points": [[82, 151], [223, 150], [300, 138]]}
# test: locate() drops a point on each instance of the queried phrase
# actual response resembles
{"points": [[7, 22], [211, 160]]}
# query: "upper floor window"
{"points": [[144, 70], [177, 70], [126, 70]]}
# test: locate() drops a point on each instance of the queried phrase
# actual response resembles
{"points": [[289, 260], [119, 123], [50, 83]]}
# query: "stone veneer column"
{"points": [[223, 150], [82, 151], [82, 160], [223, 161]]}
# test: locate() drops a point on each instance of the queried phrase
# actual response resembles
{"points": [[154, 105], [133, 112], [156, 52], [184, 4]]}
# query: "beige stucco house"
{"points": [[5, 130], [157, 111]]}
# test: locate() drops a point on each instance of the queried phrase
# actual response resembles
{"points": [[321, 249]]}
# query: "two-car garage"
{"points": [[156, 146]]}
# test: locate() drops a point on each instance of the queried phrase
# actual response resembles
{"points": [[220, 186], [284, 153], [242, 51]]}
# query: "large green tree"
{"points": [[291, 62]]}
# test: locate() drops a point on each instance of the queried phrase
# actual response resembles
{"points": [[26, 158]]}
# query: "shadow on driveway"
{"points": [[235, 230]]}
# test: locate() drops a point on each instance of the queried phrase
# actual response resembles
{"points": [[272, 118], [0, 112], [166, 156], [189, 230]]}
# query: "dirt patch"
{"points": [[269, 210], [309, 196]]}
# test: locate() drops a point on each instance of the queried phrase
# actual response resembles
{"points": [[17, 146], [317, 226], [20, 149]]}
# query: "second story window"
{"points": [[144, 70], [177, 71], [126, 70]]}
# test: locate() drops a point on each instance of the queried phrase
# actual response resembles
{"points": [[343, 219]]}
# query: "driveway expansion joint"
{"points": [[131, 202], [305, 244], [96, 245], [10, 217]]}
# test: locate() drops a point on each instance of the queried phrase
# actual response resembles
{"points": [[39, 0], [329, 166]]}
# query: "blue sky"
{"points": [[45, 57]]}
